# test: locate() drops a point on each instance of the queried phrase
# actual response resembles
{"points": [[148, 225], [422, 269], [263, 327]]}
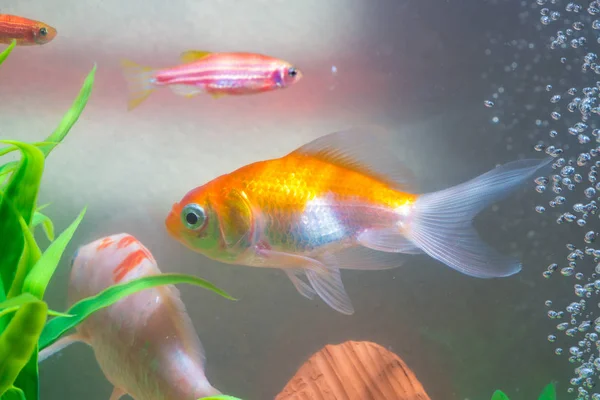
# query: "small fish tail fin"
{"points": [[441, 222], [139, 82]]}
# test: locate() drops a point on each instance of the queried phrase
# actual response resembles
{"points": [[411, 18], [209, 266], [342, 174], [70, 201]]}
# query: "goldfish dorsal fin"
{"points": [[362, 150], [193, 55]]}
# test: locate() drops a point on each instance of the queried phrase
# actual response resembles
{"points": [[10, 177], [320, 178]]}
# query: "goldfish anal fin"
{"points": [[362, 150], [302, 287], [193, 55]]}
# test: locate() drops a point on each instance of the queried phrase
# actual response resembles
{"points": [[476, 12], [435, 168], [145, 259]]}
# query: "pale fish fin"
{"points": [[193, 55], [440, 223], [364, 150], [117, 393], [59, 345], [362, 258], [140, 83], [302, 287], [185, 90], [390, 240], [331, 289], [278, 259]]}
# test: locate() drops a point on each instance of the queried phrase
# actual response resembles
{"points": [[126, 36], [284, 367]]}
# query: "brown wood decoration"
{"points": [[354, 371]]}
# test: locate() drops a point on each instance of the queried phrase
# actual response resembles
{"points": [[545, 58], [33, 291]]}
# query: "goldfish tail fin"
{"points": [[139, 82], [59, 345], [441, 225]]}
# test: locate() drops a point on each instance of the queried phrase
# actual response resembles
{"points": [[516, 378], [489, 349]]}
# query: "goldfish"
{"points": [[216, 74], [342, 201], [26, 32], [145, 344]]}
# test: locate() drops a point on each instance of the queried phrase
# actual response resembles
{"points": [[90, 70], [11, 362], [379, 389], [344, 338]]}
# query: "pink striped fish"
{"points": [[217, 74]]}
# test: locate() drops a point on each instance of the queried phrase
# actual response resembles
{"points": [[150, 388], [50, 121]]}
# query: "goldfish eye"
{"points": [[292, 72], [193, 216], [43, 31]]}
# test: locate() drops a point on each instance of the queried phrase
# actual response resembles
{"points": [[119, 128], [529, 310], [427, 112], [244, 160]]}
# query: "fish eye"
{"points": [[43, 31], [292, 72], [193, 216]]}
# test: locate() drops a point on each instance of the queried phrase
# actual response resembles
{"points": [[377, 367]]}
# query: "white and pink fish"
{"points": [[145, 343]]}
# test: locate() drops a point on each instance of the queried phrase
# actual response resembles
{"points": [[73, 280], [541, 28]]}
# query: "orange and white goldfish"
{"points": [[145, 343], [26, 32], [217, 74], [341, 202]]}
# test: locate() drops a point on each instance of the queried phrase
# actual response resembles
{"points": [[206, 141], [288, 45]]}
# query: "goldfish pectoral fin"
{"points": [[59, 345], [302, 287], [117, 393], [389, 240], [363, 258], [185, 90], [441, 222], [287, 260], [330, 288], [364, 150], [217, 95], [140, 83], [193, 55]]}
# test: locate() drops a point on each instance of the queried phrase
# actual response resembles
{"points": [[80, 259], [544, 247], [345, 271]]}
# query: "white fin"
{"points": [[364, 150], [389, 240], [117, 393], [59, 345], [330, 288], [139, 82], [362, 258], [278, 259], [302, 287], [185, 90], [440, 223]]}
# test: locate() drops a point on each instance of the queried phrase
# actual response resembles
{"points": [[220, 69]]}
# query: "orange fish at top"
{"points": [[26, 32], [216, 74]]}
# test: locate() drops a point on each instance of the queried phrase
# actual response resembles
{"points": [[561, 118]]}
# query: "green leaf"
{"points": [[7, 51], [18, 343], [15, 303], [14, 393], [18, 301], [9, 167], [549, 392], [71, 116], [30, 256], [39, 277], [84, 308], [499, 395], [39, 218], [220, 397], [21, 191]]}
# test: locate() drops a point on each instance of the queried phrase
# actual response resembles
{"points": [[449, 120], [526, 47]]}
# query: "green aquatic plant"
{"points": [[7, 51], [84, 308], [26, 271], [549, 393]]}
